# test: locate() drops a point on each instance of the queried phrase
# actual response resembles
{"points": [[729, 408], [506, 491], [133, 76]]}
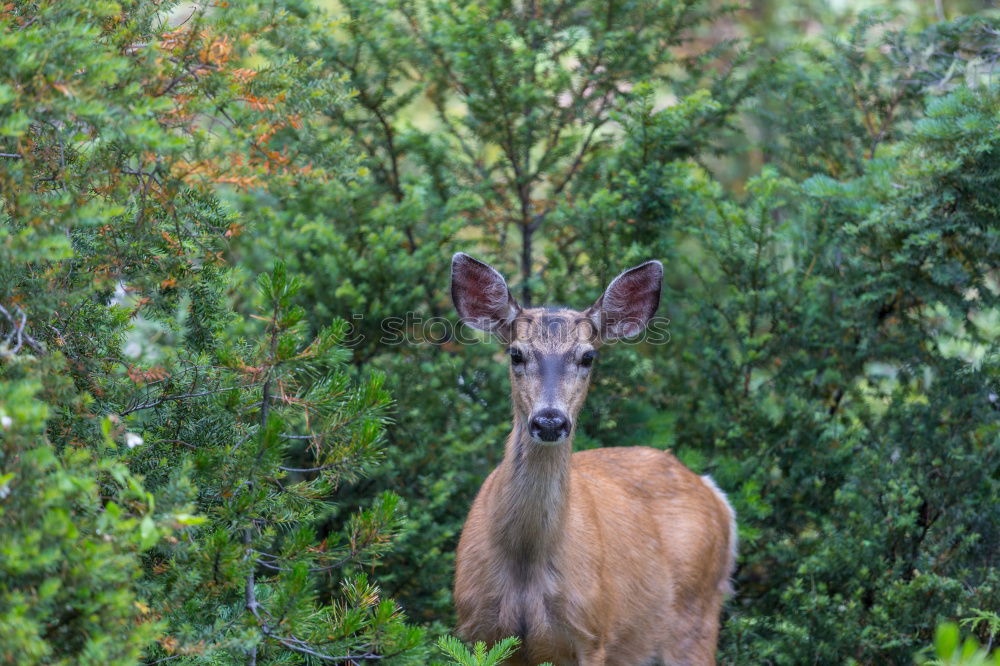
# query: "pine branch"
{"points": [[182, 396], [292, 643], [17, 332]]}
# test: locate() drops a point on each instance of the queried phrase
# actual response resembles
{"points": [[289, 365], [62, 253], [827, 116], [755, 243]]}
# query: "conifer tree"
{"points": [[268, 431], [168, 467]]}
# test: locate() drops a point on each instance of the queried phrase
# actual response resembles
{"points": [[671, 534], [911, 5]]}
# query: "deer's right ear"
{"points": [[481, 296]]}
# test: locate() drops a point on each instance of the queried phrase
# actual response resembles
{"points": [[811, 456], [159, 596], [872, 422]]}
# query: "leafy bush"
{"points": [[73, 527]]}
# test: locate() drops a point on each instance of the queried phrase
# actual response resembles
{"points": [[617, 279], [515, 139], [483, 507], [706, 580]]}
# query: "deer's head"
{"points": [[552, 350]]}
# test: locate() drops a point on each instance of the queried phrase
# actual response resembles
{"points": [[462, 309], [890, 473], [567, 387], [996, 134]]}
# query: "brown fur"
{"points": [[615, 556]]}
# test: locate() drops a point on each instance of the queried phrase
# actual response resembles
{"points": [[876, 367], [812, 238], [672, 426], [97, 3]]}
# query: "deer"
{"points": [[602, 557]]}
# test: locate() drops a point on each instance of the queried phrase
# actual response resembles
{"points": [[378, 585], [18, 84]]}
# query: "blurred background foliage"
{"points": [[235, 425]]}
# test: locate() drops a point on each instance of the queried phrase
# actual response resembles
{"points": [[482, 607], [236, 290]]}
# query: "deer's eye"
{"points": [[587, 359], [516, 356]]}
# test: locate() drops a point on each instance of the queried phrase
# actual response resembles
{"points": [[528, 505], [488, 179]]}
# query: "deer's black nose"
{"points": [[549, 425]]}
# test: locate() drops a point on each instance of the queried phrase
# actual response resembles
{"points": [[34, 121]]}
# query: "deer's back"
{"points": [[656, 517]]}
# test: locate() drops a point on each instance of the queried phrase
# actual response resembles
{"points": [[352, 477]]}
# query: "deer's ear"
{"points": [[480, 294], [629, 302]]}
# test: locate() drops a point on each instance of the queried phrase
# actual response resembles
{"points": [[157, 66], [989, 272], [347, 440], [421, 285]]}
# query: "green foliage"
{"points": [[289, 427], [984, 622], [170, 468], [72, 529], [822, 389], [224, 243], [950, 650], [478, 655]]}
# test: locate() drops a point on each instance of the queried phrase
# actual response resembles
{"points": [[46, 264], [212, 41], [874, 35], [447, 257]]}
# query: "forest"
{"points": [[241, 423]]}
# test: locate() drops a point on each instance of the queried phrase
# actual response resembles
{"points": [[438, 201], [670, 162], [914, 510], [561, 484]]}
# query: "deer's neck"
{"points": [[532, 500]]}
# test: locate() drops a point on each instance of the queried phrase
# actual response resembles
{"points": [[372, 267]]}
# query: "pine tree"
{"points": [[153, 501], [274, 427]]}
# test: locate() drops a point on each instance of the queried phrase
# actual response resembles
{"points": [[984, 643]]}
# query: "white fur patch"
{"points": [[726, 585]]}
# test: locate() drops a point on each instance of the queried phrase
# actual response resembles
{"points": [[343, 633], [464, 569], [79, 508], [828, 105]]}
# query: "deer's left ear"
{"points": [[629, 302]]}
